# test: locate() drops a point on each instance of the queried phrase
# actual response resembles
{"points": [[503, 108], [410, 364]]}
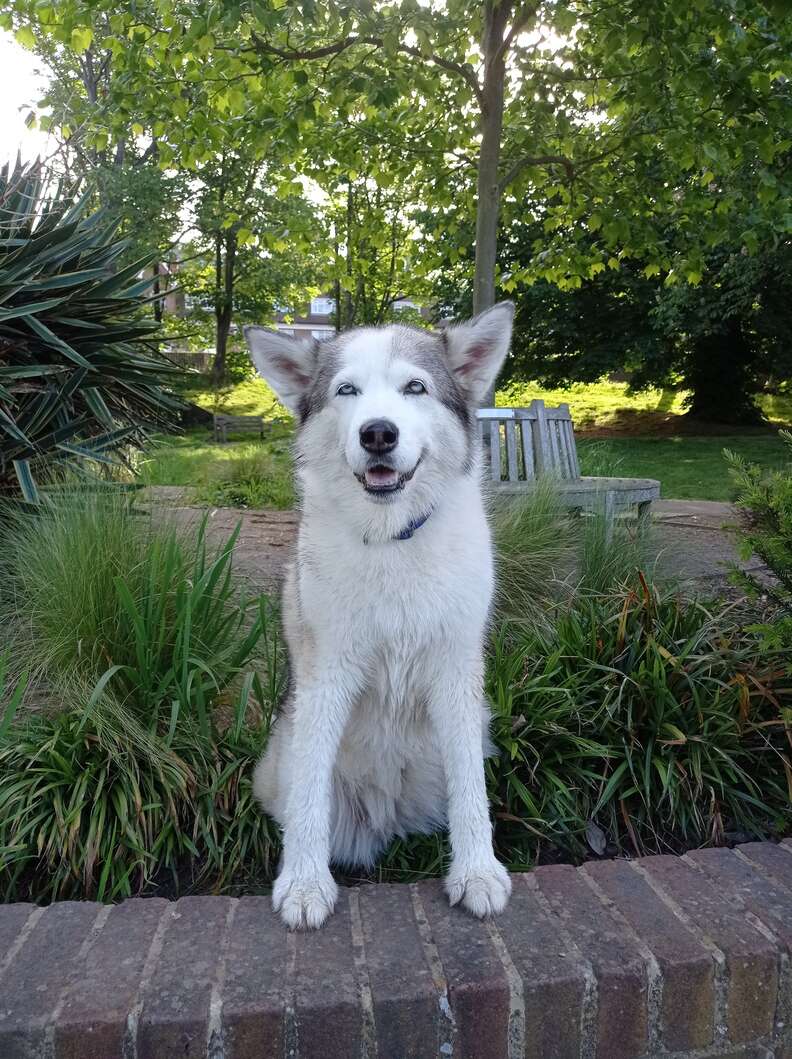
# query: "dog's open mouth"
{"points": [[380, 479]]}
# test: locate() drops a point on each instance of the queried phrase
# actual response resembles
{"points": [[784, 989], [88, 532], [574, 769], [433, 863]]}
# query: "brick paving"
{"points": [[659, 957]]}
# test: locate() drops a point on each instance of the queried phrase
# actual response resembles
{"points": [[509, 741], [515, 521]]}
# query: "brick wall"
{"points": [[663, 956]]}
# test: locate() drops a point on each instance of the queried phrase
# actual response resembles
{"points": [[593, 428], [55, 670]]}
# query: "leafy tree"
{"points": [[721, 339], [238, 268], [652, 132], [374, 252], [94, 141]]}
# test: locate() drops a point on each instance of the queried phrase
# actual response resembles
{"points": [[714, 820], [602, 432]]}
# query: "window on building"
{"points": [[322, 306]]}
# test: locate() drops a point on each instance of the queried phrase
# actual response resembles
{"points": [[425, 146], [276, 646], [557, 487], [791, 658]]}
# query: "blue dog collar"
{"points": [[411, 527]]}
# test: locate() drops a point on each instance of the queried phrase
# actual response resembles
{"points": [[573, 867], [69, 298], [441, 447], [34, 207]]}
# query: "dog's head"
{"points": [[386, 414]]}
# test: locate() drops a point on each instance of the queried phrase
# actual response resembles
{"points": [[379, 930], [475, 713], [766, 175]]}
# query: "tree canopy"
{"points": [[632, 136]]}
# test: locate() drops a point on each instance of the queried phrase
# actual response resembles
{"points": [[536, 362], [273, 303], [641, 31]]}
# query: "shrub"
{"points": [[253, 477], [535, 545], [628, 718], [81, 373], [765, 498], [145, 650], [639, 720]]}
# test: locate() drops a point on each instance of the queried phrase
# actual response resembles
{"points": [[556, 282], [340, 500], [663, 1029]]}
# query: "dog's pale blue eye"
{"points": [[346, 389], [416, 386]]}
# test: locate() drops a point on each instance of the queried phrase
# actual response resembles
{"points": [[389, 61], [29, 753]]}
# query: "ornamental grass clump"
{"points": [[637, 721], [152, 680]]}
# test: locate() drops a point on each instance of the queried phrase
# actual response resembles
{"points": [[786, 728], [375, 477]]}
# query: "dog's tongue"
{"points": [[381, 477]]}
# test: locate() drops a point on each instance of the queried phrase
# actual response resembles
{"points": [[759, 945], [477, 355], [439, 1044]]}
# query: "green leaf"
{"points": [[81, 38], [25, 36], [25, 479]]}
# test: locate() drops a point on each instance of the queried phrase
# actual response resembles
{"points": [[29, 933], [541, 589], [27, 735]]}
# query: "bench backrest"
{"points": [[239, 422], [527, 442]]}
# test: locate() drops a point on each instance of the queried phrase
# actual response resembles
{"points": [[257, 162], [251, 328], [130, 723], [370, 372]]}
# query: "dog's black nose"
{"points": [[379, 436]]}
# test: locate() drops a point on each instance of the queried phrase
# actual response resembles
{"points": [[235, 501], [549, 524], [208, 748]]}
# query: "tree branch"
{"points": [[539, 159], [462, 69], [520, 22]]}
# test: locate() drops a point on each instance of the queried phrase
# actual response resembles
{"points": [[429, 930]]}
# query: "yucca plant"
{"points": [[81, 375]]}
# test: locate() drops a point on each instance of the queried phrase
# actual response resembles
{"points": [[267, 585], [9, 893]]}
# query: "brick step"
{"points": [[663, 956]]}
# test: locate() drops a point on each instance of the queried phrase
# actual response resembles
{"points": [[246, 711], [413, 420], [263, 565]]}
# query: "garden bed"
{"points": [[628, 719]]}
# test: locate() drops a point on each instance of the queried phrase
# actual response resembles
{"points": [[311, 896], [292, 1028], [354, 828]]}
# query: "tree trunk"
{"points": [[722, 376], [496, 17], [349, 314], [225, 272], [156, 290], [337, 281]]}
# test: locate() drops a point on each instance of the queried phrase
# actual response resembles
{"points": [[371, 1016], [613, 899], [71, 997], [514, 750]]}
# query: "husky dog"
{"points": [[385, 607]]}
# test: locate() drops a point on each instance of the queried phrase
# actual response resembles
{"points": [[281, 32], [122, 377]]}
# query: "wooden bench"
{"points": [[526, 443], [237, 425]]}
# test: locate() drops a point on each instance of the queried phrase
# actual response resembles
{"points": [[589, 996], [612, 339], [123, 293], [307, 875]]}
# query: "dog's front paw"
{"points": [[304, 899], [482, 889]]}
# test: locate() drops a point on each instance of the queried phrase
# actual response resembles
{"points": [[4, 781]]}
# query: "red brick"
{"points": [[773, 859], [769, 902], [255, 991], [478, 990], [554, 979], [175, 1017], [328, 1014], [620, 970], [92, 1020], [406, 1004], [39, 974], [688, 995], [751, 960]]}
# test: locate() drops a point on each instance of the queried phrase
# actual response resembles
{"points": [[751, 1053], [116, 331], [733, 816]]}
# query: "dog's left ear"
{"points": [[477, 348]]}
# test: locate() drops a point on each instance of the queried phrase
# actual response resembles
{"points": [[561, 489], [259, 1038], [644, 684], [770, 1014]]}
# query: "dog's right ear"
{"points": [[286, 363]]}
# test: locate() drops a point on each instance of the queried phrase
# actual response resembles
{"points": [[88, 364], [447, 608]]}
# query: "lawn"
{"points": [[688, 468], [645, 444]]}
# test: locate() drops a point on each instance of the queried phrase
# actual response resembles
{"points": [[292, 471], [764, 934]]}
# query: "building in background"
{"points": [[317, 321]]}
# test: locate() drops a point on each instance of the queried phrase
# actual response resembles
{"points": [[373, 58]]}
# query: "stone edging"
{"points": [[663, 956]]}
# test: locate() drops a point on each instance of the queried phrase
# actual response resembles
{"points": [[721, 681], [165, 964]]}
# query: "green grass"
{"points": [[239, 473], [248, 398], [600, 403], [688, 468], [258, 474]]}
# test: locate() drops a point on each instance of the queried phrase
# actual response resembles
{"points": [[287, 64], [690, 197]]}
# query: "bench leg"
{"points": [[644, 518]]}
